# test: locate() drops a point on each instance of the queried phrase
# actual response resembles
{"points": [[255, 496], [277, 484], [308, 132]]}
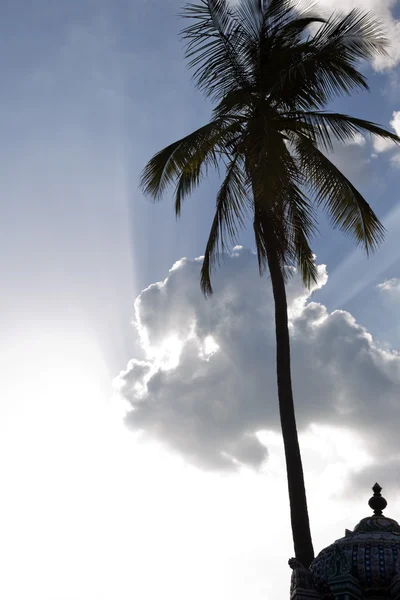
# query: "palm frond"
{"points": [[285, 224], [250, 14], [310, 78], [302, 226], [187, 155], [187, 182], [274, 174], [260, 226], [216, 48], [234, 105], [323, 126], [343, 203], [276, 13], [292, 31], [325, 66], [271, 236], [357, 35], [232, 208]]}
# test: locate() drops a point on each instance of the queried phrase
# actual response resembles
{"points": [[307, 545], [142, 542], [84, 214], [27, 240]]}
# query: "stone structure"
{"points": [[364, 564]]}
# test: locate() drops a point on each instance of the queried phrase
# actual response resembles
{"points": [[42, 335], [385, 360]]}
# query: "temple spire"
{"points": [[377, 502]]}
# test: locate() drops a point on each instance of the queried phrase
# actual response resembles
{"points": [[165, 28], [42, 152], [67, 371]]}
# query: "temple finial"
{"points": [[377, 502]]}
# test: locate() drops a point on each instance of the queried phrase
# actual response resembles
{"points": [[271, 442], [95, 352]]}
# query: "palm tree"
{"points": [[270, 70]]}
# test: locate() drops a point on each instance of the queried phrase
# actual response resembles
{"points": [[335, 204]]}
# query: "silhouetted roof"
{"points": [[370, 553]]}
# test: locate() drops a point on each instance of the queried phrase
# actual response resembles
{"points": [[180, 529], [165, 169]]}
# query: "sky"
{"points": [[101, 311]]}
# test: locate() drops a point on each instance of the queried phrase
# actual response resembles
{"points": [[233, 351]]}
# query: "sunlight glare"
{"points": [[167, 355], [210, 346]]}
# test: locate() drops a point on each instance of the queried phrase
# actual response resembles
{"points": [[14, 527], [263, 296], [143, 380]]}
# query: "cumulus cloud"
{"points": [[381, 145], [388, 474], [390, 285], [207, 385], [358, 140]]}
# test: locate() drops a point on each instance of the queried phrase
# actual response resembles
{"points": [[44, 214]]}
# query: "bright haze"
{"points": [[187, 497]]}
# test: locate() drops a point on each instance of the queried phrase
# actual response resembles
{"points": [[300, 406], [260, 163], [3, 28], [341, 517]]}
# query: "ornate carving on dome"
{"points": [[377, 523], [301, 577], [397, 565], [347, 532], [395, 582], [339, 563]]}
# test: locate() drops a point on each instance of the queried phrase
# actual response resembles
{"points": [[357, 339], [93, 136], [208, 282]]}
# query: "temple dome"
{"points": [[370, 553]]}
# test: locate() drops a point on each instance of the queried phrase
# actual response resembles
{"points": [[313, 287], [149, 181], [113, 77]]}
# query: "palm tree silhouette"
{"points": [[271, 69]]}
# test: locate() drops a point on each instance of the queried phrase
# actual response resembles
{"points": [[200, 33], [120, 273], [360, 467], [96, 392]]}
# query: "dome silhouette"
{"points": [[365, 563]]}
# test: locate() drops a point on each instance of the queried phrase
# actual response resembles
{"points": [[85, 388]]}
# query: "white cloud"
{"points": [[358, 140], [381, 145], [390, 285], [395, 122], [209, 406]]}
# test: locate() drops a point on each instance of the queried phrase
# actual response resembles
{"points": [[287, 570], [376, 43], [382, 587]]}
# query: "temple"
{"points": [[365, 563]]}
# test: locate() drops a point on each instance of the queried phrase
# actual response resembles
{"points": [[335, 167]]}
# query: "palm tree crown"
{"points": [[270, 78]]}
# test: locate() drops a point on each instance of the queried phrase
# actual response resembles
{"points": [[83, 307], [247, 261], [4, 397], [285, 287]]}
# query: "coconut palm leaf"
{"points": [[324, 126], [232, 208], [345, 206], [186, 155], [357, 35], [302, 226], [325, 66], [216, 48], [250, 14]]}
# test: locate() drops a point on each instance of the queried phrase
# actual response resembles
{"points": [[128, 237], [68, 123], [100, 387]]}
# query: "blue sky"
{"points": [[90, 91]]}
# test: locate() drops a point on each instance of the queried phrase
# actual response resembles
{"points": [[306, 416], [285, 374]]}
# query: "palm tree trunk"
{"points": [[303, 546]]}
